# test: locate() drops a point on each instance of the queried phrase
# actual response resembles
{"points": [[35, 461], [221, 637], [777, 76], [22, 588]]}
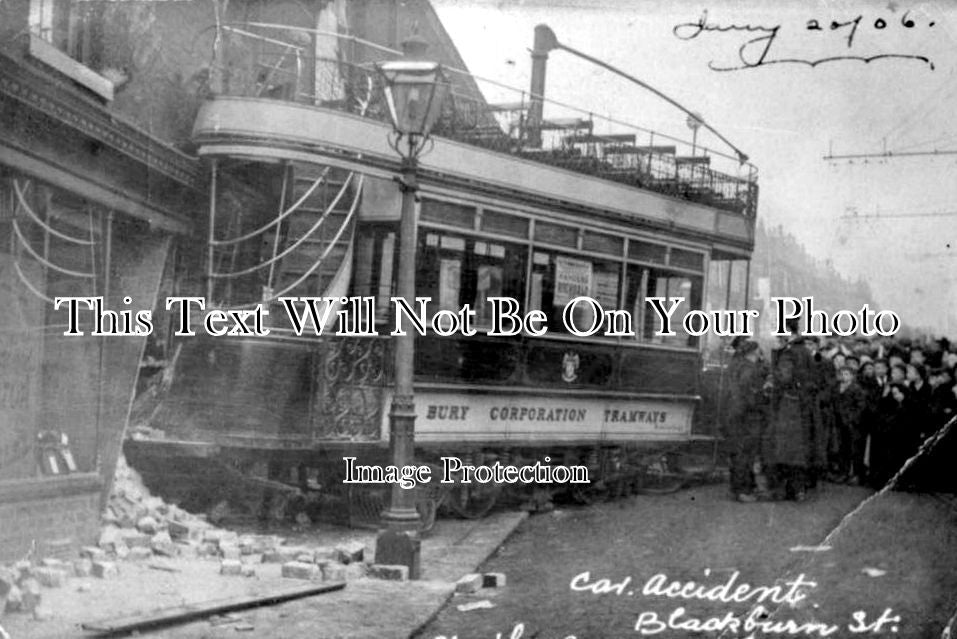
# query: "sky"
{"points": [[892, 222]]}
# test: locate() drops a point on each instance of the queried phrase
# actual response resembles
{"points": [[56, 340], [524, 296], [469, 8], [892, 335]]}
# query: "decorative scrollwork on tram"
{"points": [[351, 373]]}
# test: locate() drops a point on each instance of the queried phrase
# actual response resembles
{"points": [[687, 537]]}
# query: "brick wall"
{"points": [[60, 514]]}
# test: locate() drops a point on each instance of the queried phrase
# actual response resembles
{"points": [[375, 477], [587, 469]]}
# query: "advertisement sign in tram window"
{"points": [[572, 279]]}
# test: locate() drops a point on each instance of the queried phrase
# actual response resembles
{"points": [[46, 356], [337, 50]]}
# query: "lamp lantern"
{"points": [[414, 92]]}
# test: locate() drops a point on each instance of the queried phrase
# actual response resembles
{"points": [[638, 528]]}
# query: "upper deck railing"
{"points": [[288, 63]]}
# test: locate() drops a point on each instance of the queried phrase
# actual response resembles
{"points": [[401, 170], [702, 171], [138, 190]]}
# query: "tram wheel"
{"points": [[473, 501]]}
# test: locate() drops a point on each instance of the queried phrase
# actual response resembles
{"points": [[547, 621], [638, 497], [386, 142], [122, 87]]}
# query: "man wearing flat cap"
{"points": [[747, 415]]}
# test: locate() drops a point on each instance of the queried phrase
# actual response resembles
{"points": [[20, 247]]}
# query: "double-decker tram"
{"points": [[514, 208]]}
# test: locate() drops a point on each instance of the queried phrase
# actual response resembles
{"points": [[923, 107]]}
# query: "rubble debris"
{"points": [[350, 552], [83, 567], [105, 569], [231, 568], [50, 577], [493, 580], [300, 570], [469, 583], [873, 572], [14, 599], [475, 605], [30, 595], [389, 573], [333, 571]]}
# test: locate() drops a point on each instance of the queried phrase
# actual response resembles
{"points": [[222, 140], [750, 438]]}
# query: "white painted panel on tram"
{"points": [[479, 416]]}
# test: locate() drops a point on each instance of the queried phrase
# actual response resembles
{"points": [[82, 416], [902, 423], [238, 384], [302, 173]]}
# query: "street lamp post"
{"points": [[414, 92]]}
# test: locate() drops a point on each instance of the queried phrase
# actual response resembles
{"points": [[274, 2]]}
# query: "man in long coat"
{"points": [[788, 448]]}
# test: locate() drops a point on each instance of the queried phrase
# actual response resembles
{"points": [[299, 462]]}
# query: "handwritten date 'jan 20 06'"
{"points": [[756, 51]]}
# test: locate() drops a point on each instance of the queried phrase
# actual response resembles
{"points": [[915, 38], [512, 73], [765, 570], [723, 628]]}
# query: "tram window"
{"points": [[455, 271], [686, 259], [495, 222], [557, 279], [448, 213], [647, 252], [641, 283], [374, 266]]}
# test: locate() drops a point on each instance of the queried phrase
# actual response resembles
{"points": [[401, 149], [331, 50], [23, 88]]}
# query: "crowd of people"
{"points": [[845, 410]]}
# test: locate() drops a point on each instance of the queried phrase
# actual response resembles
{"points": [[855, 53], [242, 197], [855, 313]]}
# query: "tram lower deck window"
{"points": [[454, 270], [643, 282], [559, 278]]}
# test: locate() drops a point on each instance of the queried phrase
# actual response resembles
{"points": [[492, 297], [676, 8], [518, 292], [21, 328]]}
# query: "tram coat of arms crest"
{"points": [[570, 364]]}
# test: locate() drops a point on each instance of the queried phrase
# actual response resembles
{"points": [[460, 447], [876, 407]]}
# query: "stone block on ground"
{"points": [[30, 594], [493, 580], [105, 569], [83, 567], [283, 554], [92, 552], [23, 569], [471, 582], [136, 539], [50, 577], [186, 530], [248, 570], [162, 544], [389, 573], [111, 537], [122, 551], [140, 554], [8, 579], [325, 553], [14, 599], [230, 551], [350, 552], [333, 571], [355, 571], [300, 570], [148, 525], [231, 567]]}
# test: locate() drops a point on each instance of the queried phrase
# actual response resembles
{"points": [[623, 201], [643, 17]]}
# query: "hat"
{"points": [[738, 341], [747, 346]]}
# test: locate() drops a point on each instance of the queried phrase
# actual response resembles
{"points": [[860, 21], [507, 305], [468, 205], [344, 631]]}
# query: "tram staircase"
{"points": [[317, 234]]}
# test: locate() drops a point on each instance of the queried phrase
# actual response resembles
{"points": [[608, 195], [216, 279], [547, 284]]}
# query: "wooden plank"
{"points": [[50, 55], [190, 612]]}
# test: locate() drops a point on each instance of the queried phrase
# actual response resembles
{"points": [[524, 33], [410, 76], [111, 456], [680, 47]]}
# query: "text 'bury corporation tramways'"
{"points": [[519, 413]]}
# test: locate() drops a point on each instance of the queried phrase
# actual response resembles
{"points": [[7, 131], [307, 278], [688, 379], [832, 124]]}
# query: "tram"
{"points": [[512, 202]]}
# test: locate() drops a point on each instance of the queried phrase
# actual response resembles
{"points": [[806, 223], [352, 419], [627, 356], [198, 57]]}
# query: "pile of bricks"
{"points": [[139, 527]]}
